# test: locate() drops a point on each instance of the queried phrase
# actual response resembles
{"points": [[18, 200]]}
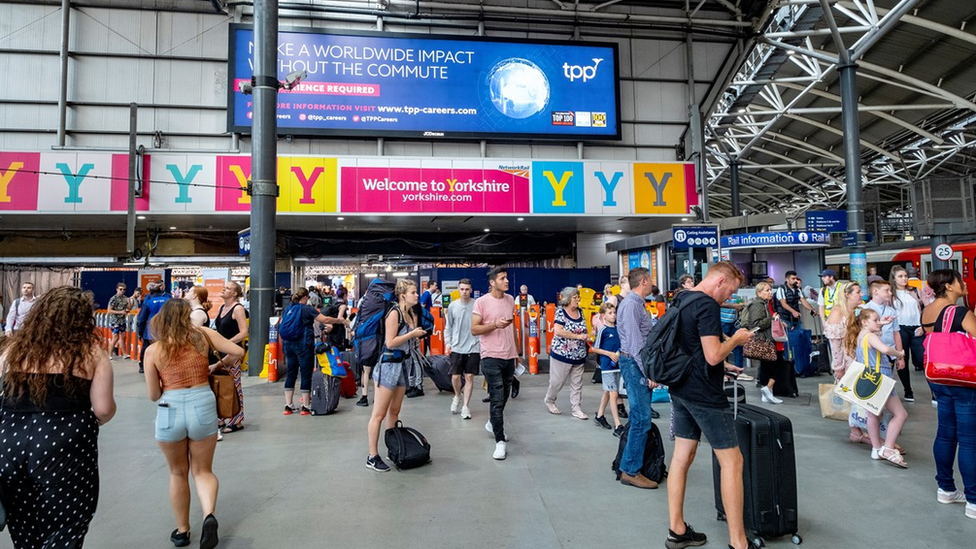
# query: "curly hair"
{"points": [[854, 325], [173, 331], [59, 330]]}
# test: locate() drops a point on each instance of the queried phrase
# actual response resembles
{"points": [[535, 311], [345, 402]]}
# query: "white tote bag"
{"points": [[865, 387]]}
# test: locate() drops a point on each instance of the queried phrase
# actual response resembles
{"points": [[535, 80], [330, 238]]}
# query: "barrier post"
{"points": [[550, 322], [274, 350], [534, 339], [437, 338]]}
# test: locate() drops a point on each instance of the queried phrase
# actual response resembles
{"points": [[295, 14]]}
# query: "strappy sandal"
{"points": [[892, 457], [231, 428], [860, 438]]}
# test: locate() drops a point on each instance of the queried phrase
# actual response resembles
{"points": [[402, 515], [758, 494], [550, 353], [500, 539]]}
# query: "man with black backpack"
{"points": [[699, 404], [633, 325]]}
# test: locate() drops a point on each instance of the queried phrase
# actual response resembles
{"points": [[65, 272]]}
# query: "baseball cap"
{"points": [[828, 272]]}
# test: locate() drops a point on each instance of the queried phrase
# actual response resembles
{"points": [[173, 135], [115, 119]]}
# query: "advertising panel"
{"points": [[427, 86]]}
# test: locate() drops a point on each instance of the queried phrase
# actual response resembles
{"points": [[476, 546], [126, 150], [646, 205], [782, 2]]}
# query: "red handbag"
{"points": [[950, 357]]}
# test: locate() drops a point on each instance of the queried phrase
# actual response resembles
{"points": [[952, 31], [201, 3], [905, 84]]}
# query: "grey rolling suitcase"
{"points": [[325, 393]]}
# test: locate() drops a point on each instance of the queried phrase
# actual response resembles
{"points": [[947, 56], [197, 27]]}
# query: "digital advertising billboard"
{"points": [[426, 86]]}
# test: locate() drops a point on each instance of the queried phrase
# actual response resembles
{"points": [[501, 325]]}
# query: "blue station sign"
{"points": [[794, 239], [244, 241], [684, 237], [829, 221]]}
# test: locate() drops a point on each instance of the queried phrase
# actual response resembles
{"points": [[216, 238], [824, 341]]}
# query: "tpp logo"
{"points": [[585, 72]]}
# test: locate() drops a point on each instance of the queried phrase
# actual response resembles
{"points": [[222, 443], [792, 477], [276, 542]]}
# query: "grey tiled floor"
{"points": [[300, 481]]}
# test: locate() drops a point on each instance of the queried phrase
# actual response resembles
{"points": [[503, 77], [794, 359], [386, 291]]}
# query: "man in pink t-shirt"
{"points": [[491, 320]]}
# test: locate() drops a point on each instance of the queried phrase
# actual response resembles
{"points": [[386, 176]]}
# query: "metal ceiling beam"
{"points": [[888, 22], [925, 24], [840, 132], [959, 102]]}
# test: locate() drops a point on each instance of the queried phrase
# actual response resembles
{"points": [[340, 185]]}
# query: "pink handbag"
{"points": [[779, 331], [950, 357]]}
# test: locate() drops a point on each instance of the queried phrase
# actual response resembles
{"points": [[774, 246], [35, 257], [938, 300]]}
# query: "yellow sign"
{"points": [[660, 188]]}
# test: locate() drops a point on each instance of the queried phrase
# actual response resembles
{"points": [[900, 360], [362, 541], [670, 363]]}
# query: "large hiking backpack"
{"points": [[337, 336], [370, 330], [291, 328], [664, 358]]}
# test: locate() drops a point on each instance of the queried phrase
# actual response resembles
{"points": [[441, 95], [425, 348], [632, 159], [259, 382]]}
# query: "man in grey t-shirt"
{"points": [[463, 348]]}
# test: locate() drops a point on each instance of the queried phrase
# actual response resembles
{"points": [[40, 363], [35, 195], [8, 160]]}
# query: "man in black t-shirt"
{"points": [[698, 405]]}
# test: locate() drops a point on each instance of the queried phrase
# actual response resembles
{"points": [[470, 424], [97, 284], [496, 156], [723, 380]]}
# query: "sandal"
{"points": [[232, 428], [892, 457], [860, 438]]}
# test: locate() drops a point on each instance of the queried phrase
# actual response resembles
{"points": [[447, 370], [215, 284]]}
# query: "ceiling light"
{"points": [[340, 218], [521, 219], [487, 230], [400, 274], [172, 228], [620, 230], [140, 217], [686, 219], [370, 275]]}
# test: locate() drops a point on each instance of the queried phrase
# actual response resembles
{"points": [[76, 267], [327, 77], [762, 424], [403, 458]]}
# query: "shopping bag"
{"points": [[831, 405], [865, 387], [779, 331], [950, 357]]}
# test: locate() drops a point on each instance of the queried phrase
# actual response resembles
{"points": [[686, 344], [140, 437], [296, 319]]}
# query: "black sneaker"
{"points": [[364, 401], [377, 464], [690, 538], [516, 387], [618, 430], [180, 539], [208, 538], [909, 397], [655, 414], [486, 399], [621, 411], [602, 421]]}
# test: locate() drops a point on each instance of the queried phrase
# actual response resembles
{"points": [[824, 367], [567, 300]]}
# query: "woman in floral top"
{"points": [[568, 353]]}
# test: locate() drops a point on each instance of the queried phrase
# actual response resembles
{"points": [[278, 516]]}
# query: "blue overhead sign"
{"points": [[850, 239], [684, 237], [794, 239], [244, 241], [830, 221]]}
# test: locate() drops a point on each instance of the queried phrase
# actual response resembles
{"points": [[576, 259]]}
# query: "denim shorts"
{"points": [[118, 328], [691, 419], [390, 375], [611, 381], [186, 413]]}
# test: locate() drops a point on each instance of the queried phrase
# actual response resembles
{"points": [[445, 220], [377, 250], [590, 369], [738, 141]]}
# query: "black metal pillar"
{"points": [[264, 184], [852, 169], [734, 187]]}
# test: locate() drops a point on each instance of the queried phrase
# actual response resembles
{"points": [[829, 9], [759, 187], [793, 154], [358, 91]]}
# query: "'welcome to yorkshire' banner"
{"points": [[64, 182]]}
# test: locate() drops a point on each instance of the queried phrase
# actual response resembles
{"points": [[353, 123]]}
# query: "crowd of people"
{"points": [[64, 374]]}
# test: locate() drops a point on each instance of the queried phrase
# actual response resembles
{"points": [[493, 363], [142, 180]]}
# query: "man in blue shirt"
{"points": [[149, 308], [426, 298]]}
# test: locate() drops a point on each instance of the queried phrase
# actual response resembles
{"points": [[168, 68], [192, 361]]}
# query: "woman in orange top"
{"points": [[177, 376]]}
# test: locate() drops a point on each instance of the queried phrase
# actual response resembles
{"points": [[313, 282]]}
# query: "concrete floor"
{"points": [[301, 481]]}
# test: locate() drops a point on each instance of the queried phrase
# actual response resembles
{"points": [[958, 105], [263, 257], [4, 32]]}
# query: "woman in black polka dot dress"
{"points": [[58, 387]]}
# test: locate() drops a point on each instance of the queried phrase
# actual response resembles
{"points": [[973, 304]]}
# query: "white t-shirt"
{"points": [[909, 313]]}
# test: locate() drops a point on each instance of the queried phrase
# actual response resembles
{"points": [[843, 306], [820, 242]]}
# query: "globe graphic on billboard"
{"points": [[518, 87]]}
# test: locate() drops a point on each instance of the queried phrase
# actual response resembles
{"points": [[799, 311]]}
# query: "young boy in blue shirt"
{"points": [[607, 345]]}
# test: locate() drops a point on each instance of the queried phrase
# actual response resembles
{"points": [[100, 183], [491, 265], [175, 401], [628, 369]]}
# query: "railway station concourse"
{"points": [[332, 142]]}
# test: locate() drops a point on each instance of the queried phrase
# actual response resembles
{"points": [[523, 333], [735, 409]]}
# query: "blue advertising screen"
{"points": [[385, 84]]}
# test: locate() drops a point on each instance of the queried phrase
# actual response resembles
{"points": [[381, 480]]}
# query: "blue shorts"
{"points": [[691, 419], [118, 328], [186, 413]]}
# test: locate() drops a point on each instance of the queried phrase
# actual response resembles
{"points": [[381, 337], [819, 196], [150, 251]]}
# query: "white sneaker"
{"points": [[971, 510], [465, 412], [875, 454], [767, 396], [455, 405], [500, 454], [491, 430], [951, 497]]}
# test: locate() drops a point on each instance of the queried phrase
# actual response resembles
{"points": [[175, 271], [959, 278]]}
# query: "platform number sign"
{"points": [[943, 252]]}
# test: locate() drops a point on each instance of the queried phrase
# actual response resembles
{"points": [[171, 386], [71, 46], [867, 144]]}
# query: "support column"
{"points": [[936, 262], [852, 169], [696, 129], [63, 93], [130, 218], [264, 184], [734, 187]]}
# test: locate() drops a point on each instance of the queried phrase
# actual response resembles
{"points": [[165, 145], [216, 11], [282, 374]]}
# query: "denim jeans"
{"points": [[639, 395], [499, 373], [957, 427], [299, 357], [728, 328]]}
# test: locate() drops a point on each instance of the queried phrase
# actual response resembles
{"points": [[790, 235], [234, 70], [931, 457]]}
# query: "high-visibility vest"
{"points": [[829, 299]]}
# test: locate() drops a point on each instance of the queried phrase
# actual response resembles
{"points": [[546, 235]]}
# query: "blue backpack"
{"points": [[291, 328]]}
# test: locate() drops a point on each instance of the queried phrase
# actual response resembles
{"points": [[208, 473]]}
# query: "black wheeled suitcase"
{"points": [[823, 356], [769, 473], [325, 393], [439, 371]]}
